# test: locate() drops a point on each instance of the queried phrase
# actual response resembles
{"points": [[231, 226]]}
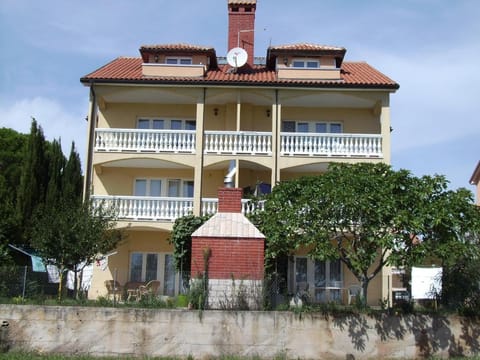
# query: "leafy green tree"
{"points": [[181, 238], [11, 156], [368, 216], [71, 235]]}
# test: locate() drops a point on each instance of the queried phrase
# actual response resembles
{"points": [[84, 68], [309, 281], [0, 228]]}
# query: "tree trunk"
{"points": [[75, 282], [60, 284], [364, 282]]}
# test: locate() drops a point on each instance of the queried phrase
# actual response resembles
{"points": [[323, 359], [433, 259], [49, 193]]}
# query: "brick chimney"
{"points": [[241, 26], [230, 200]]}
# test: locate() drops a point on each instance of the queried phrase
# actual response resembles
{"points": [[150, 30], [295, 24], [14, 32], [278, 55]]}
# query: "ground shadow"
{"points": [[432, 333]]}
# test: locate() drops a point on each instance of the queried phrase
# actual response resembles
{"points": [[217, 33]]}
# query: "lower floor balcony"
{"points": [[144, 208]]}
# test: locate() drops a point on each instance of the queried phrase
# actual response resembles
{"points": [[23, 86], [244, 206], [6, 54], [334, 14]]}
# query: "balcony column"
{"points": [[383, 108], [276, 126], [92, 116], [238, 126], [198, 172]]}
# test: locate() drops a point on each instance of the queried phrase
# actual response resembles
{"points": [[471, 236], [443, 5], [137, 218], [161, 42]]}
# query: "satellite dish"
{"points": [[237, 57]]}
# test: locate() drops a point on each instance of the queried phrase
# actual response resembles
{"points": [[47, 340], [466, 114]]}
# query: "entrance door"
{"points": [[322, 279]]}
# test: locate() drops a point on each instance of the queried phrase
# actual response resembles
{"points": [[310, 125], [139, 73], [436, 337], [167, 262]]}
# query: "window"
{"points": [[306, 63], [148, 187], [327, 127], [178, 61], [155, 187], [328, 281], [311, 127], [167, 124], [324, 277], [154, 266]]}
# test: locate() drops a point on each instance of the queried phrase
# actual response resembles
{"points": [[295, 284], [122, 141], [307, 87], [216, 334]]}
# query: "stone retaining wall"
{"points": [[116, 332]]}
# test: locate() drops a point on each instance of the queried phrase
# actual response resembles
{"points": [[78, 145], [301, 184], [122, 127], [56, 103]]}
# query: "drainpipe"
{"points": [[232, 169]]}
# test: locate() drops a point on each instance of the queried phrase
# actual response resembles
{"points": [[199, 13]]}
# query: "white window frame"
{"points": [[164, 187], [167, 122], [305, 62], [310, 276], [178, 60], [160, 272], [313, 124]]}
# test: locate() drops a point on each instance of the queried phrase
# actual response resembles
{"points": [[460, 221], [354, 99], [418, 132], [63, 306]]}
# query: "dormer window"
{"points": [[178, 61], [306, 63]]}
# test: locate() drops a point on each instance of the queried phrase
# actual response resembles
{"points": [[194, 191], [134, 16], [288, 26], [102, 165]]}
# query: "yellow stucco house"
{"points": [[165, 128]]}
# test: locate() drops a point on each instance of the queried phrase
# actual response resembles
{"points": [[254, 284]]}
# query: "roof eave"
{"points": [[474, 180], [200, 82]]}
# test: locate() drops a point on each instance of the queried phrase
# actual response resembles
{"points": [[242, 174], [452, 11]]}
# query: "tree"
{"points": [[72, 184], [11, 155], [181, 238], [33, 180], [71, 235], [368, 216], [56, 165]]}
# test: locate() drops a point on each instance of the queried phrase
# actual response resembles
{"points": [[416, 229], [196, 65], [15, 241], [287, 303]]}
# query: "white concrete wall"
{"points": [[116, 332], [233, 294]]}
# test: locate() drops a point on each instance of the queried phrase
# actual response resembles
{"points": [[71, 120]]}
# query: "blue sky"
{"points": [[430, 47]]}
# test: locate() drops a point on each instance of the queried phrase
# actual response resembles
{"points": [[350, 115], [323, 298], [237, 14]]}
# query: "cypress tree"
{"points": [[72, 183], [56, 168], [33, 179]]}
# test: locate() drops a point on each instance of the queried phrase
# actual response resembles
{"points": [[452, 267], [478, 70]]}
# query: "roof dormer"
{"points": [[306, 61], [177, 60]]}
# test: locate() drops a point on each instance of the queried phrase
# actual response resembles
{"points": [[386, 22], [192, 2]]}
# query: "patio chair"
{"points": [[114, 289], [131, 288], [150, 288], [354, 291]]}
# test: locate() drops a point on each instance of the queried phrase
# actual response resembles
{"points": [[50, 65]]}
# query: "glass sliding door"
{"points": [[322, 279]]}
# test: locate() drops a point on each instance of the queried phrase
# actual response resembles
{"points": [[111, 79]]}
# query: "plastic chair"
{"points": [[150, 288], [353, 292], [114, 289]]}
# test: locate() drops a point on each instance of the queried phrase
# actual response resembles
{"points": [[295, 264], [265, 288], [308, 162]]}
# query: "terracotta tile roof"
{"points": [[353, 75], [176, 47], [306, 47], [248, 2]]}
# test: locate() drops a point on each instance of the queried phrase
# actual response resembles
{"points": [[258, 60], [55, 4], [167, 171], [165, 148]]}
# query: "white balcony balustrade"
{"points": [[345, 145], [238, 142], [210, 206], [144, 208], [174, 141]]}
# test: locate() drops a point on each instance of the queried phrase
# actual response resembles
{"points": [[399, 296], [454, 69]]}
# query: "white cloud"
{"points": [[436, 102], [56, 121]]}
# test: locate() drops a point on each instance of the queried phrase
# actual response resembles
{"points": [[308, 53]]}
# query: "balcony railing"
{"points": [[331, 144], [238, 142], [210, 206], [174, 141], [146, 208]]}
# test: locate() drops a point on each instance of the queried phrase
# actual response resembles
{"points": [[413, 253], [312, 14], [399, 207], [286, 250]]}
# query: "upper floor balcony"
{"points": [[239, 143]]}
